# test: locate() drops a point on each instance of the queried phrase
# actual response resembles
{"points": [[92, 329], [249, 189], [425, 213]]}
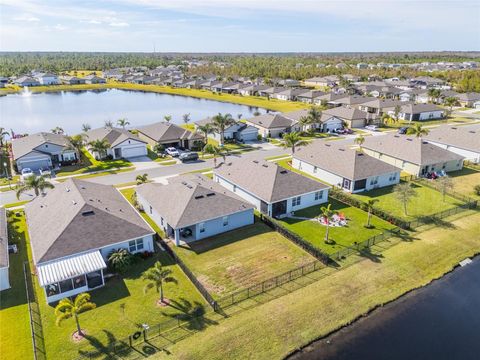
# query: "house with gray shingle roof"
{"points": [[413, 155], [468, 99], [348, 116], [168, 134], [272, 189], [418, 112], [43, 150], [350, 169], [272, 124], [74, 228], [193, 207], [4, 257], [237, 131], [123, 144], [26, 81]]}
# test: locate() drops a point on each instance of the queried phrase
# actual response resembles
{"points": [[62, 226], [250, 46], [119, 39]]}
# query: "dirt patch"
{"points": [[77, 337]]}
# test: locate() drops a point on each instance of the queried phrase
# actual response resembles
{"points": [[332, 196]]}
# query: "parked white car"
{"points": [[371, 127], [172, 151], [26, 173]]}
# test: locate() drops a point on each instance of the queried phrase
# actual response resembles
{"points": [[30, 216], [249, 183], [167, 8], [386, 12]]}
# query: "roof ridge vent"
{"points": [[199, 197], [210, 194], [88, 213]]}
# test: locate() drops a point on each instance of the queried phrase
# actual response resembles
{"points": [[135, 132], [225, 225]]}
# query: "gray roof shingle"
{"points": [[463, 137], [113, 135], [27, 144], [271, 121], [165, 131]]}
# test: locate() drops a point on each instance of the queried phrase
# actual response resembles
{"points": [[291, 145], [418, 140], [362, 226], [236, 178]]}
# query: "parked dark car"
{"points": [[403, 130], [188, 156]]}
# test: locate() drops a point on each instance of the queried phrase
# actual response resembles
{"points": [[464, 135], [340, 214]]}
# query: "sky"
{"points": [[239, 25]]}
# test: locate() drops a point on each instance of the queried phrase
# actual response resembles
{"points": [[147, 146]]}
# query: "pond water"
{"points": [[70, 109], [440, 321]]}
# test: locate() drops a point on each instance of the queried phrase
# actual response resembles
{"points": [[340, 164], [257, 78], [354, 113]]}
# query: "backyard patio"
{"points": [[241, 258], [346, 229]]}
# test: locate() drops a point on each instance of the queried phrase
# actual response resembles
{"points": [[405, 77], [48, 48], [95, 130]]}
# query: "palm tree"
{"points": [[86, 127], [304, 121], [156, 276], [396, 112], [404, 193], [314, 114], [205, 129], [100, 147], [67, 308], [327, 213], [120, 259], [167, 118], [444, 185], [76, 143], [359, 140], [417, 130], [123, 123], [57, 130], [3, 133], [186, 118], [141, 179], [450, 102], [434, 94], [108, 123], [370, 204], [220, 122], [293, 140], [215, 151], [36, 183]]}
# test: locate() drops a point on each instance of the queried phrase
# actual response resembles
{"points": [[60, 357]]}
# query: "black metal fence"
{"points": [[433, 185], [269, 284], [36, 328]]}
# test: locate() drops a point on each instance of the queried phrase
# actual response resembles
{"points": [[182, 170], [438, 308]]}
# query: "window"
{"points": [[151, 209], [161, 221], [68, 156], [201, 227], [79, 281], [315, 169], [234, 188], [135, 245], [296, 201], [52, 289], [66, 285], [444, 166], [392, 177], [318, 195], [374, 180], [225, 220]]}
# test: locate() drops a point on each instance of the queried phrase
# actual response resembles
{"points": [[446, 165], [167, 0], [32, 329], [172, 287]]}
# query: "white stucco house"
{"points": [[123, 144], [74, 228], [461, 140], [238, 131], [273, 125], [419, 112], [4, 257], [47, 79], [273, 190], [193, 207], [168, 134], [413, 155], [350, 169], [43, 150]]}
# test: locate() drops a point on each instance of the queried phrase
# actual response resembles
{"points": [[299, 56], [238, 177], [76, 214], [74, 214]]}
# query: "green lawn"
{"points": [[464, 181], [15, 339], [122, 306], [427, 202], [89, 164], [345, 236], [241, 258]]}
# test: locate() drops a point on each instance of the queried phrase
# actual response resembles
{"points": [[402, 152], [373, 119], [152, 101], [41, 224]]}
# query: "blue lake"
{"points": [[70, 109]]}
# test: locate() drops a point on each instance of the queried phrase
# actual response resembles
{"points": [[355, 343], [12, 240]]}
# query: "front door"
{"points": [[279, 208], [346, 184], [118, 153]]}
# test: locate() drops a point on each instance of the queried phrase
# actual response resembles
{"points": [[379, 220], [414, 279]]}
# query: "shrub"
{"points": [[109, 157], [259, 137], [476, 189], [119, 260]]}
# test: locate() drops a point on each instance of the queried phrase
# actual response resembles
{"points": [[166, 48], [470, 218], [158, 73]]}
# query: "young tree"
{"points": [[167, 118], [76, 143], [304, 121], [370, 204], [186, 118], [444, 184], [314, 114], [123, 123], [396, 112], [215, 151], [220, 123], [141, 179], [86, 127], [359, 140], [417, 130], [156, 276], [120, 259], [36, 183], [450, 102], [108, 123], [57, 130], [327, 214], [404, 193], [434, 94], [292, 141], [100, 147], [67, 308], [3, 133], [205, 129]]}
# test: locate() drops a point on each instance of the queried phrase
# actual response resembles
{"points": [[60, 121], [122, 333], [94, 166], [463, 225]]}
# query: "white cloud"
{"points": [[93, 21], [60, 27], [119, 24], [26, 17]]}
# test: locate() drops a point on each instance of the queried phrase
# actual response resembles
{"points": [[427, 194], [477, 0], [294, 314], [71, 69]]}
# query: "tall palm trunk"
{"points": [[222, 135], [405, 206], [369, 217], [328, 228], [79, 330], [37, 191], [161, 291]]}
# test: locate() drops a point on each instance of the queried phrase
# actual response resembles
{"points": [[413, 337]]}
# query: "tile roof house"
{"points": [[272, 124], [272, 189], [411, 154], [4, 257], [123, 144], [43, 150], [74, 228], [168, 134], [462, 140], [350, 169], [193, 207]]}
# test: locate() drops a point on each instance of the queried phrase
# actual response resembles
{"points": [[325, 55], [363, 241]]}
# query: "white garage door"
{"points": [[128, 152], [248, 136], [332, 125]]}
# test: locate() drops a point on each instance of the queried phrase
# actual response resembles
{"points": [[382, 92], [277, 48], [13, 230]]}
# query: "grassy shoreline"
{"points": [[254, 101]]}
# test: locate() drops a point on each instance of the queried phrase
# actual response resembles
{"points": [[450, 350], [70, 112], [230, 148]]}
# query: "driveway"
{"points": [[143, 162]]}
